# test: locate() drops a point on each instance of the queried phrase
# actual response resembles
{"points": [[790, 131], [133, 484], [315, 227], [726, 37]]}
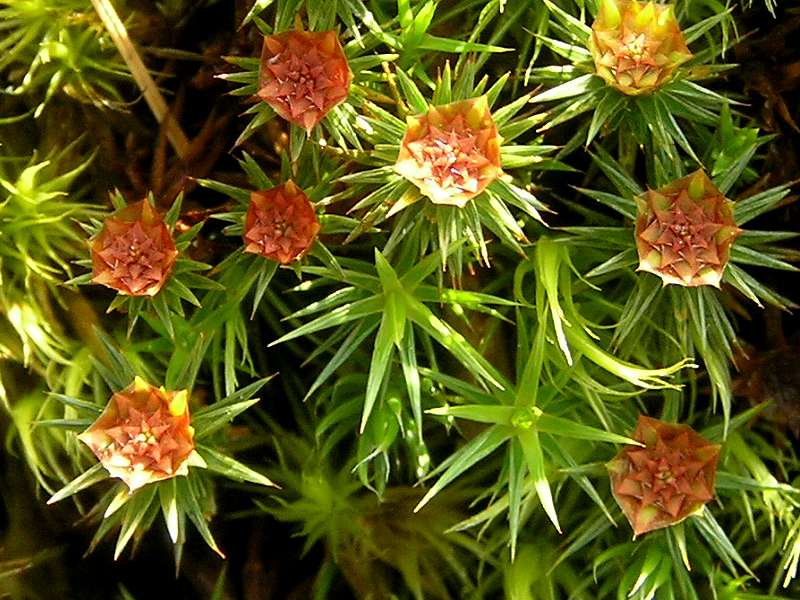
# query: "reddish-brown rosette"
{"points": [[281, 223], [452, 152], [303, 75], [667, 480], [134, 253], [684, 231], [144, 435]]}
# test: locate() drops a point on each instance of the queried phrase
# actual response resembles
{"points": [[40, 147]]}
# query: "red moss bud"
{"points": [[134, 253], [303, 75], [452, 152], [637, 46], [281, 223], [667, 480], [144, 435], [684, 231]]}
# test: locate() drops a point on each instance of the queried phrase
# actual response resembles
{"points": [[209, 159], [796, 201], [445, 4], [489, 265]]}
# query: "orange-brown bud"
{"points": [[144, 435], [685, 230], [134, 253], [303, 75], [667, 480], [637, 46], [281, 223], [452, 152]]}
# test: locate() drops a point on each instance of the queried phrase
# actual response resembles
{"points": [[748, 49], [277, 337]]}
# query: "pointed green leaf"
{"points": [[440, 44], [88, 478], [713, 533], [516, 477], [83, 405], [338, 316], [572, 429], [159, 302], [169, 508], [408, 362], [258, 7], [465, 458], [576, 87], [453, 341], [188, 504], [352, 342], [611, 103], [231, 468], [378, 367], [416, 101], [135, 512], [499, 415], [529, 439]]}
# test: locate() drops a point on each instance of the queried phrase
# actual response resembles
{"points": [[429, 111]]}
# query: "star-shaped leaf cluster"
{"points": [[667, 480], [303, 75]]}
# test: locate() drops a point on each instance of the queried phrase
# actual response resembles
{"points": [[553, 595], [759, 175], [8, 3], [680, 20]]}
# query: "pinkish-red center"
{"points": [[686, 230], [132, 252], [452, 156]]}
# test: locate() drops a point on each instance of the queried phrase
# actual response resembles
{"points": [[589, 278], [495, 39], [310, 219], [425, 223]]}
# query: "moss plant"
{"points": [[399, 299]]}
